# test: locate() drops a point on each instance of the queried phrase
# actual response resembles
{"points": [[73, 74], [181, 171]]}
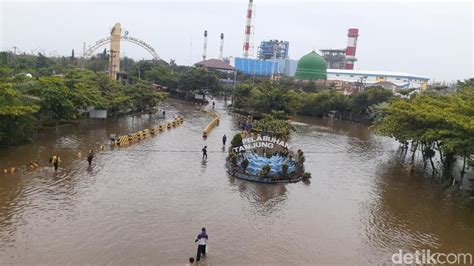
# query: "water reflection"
{"points": [[412, 211], [361, 200], [263, 198]]}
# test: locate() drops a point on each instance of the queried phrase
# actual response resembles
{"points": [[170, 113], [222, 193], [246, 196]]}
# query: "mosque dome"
{"points": [[311, 66]]}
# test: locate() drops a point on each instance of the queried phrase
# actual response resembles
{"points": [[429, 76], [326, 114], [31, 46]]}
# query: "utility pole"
{"points": [[233, 91]]}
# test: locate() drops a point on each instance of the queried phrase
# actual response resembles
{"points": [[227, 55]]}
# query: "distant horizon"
{"points": [[416, 46]]}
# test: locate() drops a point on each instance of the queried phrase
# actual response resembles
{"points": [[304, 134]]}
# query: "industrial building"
{"points": [[343, 58], [284, 67], [386, 79], [273, 49], [333, 65], [335, 58], [255, 67]]}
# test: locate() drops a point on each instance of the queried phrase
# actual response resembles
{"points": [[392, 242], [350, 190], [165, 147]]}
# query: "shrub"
{"points": [[265, 170], [307, 175], [245, 164], [284, 169], [236, 141], [233, 158], [301, 160]]}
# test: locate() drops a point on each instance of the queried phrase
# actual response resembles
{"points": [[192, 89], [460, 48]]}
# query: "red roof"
{"points": [[215, 64]]}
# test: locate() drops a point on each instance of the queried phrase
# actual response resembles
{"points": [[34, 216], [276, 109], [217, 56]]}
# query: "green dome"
{"points": [[311, 67]]}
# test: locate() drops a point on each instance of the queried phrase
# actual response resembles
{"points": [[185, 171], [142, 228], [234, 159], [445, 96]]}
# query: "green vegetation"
{"points": [[291, 98], [34, 94], [272, 123], [37, 91], [434, 124], [236, 141]]}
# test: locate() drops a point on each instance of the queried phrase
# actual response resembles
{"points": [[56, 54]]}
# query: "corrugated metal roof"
{"points": [[374, 73], [215, 64]]}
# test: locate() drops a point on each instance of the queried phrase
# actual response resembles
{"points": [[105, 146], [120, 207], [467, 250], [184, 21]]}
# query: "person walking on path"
{"points": [[90, 157], [224, 139], [202, 242], [204, 152]]}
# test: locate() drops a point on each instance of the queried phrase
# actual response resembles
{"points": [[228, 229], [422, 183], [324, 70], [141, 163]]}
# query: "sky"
{"points": [[432, 39]]}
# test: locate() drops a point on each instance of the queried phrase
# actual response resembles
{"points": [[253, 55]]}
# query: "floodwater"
{"points": [[145, 203]]}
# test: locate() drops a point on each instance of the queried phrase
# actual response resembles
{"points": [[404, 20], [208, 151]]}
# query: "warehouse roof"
{"points": [[375, 73], [215, 64]]}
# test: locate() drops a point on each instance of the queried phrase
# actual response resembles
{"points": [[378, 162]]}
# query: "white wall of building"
{"points": [[403, 80]]}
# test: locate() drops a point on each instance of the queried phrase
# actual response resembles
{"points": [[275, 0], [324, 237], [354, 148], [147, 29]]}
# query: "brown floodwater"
{"points": [[145, 203]]}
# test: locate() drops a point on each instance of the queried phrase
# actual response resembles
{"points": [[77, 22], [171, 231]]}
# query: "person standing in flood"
{"points": [[224, 139], [90, 157], [202, 242], [113, 137], [204, 152], [55, 161]]}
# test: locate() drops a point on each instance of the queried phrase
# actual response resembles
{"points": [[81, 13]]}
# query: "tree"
{"points": [[56, 99], [442, 123], [143, 95], [17, 124]]}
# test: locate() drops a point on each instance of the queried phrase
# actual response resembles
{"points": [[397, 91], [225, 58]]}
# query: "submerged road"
{"points": [[145, 203]]}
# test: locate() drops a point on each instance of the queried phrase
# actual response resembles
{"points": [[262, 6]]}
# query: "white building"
{"points": [[382, 78]]}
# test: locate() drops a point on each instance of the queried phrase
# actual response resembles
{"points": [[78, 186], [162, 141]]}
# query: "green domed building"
{"points": [[311, 67]]}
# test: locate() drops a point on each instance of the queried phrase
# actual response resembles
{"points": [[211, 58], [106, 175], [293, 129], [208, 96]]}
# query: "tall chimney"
{"points": [[205, 46], [352, 35], [221, 51], [248, 29]]}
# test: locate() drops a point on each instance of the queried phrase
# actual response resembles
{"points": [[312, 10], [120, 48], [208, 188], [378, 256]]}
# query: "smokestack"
{"points": [[205, 46], [248, 27], [221, 54], [352, 35]]}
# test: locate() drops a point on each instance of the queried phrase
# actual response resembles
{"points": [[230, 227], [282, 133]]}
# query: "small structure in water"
{"points": [[265, 158]]}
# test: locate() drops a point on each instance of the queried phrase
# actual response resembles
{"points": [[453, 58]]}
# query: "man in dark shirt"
{"points": [[204, 152], [224, 139], [202, 242]]}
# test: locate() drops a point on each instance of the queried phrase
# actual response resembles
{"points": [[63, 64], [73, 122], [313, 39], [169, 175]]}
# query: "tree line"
{"points": [[437, 126], [265, 96], [36, 91]]}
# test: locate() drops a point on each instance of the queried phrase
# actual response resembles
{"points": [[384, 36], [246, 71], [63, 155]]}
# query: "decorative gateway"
{"points": [[265, 159]]}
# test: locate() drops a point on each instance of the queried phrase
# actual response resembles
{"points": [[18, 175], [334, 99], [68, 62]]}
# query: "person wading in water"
{"points": [[55, 161], [202, 242], [90, 157]]}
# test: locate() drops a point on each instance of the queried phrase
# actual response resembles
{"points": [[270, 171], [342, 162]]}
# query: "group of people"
{"points": [[204, 150], [55, 160], [201, 240]]}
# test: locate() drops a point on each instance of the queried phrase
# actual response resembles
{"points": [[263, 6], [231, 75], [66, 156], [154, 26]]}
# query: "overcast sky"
{"points": [[430, 39]]}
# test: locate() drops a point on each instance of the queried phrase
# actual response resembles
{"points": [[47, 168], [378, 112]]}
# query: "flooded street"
{"points": [[145, 203]]}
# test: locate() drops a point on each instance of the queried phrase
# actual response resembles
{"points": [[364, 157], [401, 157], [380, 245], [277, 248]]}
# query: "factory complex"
{"points": [[329, 66]]}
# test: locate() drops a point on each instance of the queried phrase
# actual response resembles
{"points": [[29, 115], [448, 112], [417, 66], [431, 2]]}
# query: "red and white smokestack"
{"points": [[221, 51], [352, 35], [248, 29], [205, 46]]}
